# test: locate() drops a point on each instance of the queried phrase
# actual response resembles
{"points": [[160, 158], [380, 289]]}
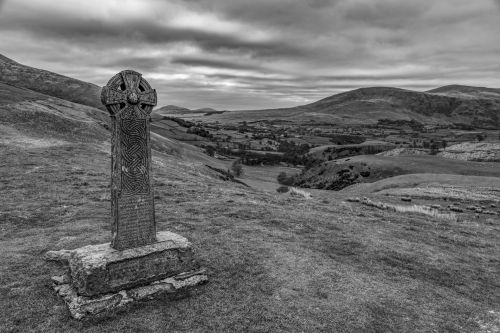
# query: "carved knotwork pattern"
{"points": [[112, 96], [134, 156]]}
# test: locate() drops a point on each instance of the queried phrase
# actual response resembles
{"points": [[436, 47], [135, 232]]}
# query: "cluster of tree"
{"points": [[434, 146], [331, 153], [237, 168], [399, 123], [293, 153], [210, 151], [292, 148], [181, 122], [285, 179], [345, 139], [198, 130], [463, 127], [256, 158]]}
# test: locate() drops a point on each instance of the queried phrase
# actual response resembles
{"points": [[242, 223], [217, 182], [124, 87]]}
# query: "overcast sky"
{"points": [[250, 54]]}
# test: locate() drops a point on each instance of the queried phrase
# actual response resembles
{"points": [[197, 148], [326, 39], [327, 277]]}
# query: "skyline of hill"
{"points": [[466, 91], [447, 105], [367, 106]]}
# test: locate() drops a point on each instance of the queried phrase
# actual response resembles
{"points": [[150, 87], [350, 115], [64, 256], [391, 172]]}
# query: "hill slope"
{"points": [[338, 174], [49, 83], [369, 105], [467, 92], [173, 110], [170, 109], [28, 116]]}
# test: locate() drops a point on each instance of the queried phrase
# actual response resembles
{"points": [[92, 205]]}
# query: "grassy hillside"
{"points": [[467, 92], [173, 130], [178, 111], [49, 83], [331, 152], [170, 109], [336, 175], [474, 151], [423, 179]]}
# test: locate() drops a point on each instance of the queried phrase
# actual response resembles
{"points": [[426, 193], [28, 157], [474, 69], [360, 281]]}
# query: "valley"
{"points": [[387, 218]]}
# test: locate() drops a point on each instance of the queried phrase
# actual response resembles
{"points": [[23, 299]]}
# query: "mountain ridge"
{"points": [[367, 106], [174, 109], [456, 90]]}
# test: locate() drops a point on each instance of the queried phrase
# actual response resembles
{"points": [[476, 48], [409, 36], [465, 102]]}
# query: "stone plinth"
{"points": [[100, 269], [83, 307]]}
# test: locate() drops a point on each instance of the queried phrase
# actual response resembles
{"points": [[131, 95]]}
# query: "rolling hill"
{"points": [[176, 111], [170, 110], [467, 92], [369, 105], [338, 174]]}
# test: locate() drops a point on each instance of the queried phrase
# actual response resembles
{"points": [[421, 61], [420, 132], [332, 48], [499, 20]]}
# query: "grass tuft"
{"points": [[300, 193], [419, 209]]}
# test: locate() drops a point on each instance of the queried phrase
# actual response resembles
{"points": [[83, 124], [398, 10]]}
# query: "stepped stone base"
{"points": [[102, 279], [83, 307], [99, 269]]}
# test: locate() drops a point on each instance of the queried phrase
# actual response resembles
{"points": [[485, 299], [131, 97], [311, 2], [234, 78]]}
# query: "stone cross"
{"points": [[130, 100]]}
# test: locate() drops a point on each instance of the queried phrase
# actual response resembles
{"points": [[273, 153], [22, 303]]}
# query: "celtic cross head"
{"points": [[128, 89]]}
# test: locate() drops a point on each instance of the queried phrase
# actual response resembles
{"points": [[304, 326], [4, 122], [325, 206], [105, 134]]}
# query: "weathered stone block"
{"points": [[100, 269], [83, 307]]}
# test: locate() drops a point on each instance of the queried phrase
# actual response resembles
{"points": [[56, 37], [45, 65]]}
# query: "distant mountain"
{"points": [[49, 83], [467, 92], [171, 109], [371, 105], [205, 110], [177, 110]]}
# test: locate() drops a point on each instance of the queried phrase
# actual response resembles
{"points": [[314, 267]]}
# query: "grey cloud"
{"points": [[143, 31], [388, 14], [193, 61], [331, 79], [320, 4], [138, 63], [276, 14]]}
